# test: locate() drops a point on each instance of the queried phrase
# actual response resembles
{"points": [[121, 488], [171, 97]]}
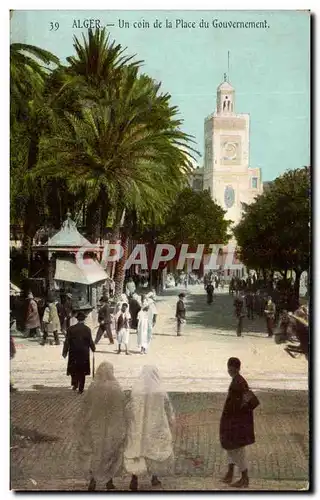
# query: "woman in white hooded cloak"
{"points": [[102, 426], [149, 441]]}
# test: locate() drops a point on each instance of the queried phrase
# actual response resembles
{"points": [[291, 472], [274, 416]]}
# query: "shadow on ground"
{"points": [[280, 451], [220, 315]]}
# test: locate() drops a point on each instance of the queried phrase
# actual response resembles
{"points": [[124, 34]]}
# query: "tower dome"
{"points": [[225, 98], [225, 86]]}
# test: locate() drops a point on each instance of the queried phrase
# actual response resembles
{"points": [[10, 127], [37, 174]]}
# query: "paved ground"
{"points": [[47, 450], [43, 454]]}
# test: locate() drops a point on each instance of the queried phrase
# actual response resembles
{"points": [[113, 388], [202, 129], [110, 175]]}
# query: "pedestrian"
{"points": [[152, 314], [68, 310], [270, 312], [123, 300], [142, 330], [130, 287], [101, 428], [134, 308], [123, 319], [239, 312], [180, 313], [112, 287], [237, 424], [284, 322], [217, 282], [73, 319], [250, 304], [300, 328], [149, 442], [205, 281], [32, 318], [77, 346], [104, 319], [51, 323], [210, 291]]}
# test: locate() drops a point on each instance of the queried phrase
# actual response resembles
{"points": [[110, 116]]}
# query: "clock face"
{"points": [[230, 151], [229, 196], [230, 147]]}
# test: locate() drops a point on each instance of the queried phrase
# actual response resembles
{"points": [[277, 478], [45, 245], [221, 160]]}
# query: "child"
{"points": [[123, 319]]}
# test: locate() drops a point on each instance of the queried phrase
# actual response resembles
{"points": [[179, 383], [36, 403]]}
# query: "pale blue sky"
{"points": [[269, 69]]}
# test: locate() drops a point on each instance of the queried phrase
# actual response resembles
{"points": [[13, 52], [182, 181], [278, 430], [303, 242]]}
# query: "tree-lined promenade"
{"points": [[96, 136]]}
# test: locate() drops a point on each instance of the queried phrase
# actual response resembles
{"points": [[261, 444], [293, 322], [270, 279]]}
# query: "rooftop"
{"points": [[68, 236], [225, 86]]}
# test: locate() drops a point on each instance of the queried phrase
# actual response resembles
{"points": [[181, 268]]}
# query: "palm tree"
{"points": [[99, 62], [29, 69], [126, 150], [27, 75]]}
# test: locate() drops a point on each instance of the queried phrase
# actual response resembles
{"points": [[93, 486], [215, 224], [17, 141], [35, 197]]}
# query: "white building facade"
{"points": [[227, 172]]}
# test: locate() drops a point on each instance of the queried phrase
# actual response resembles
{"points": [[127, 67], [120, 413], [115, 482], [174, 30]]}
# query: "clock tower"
{"points": [[227, 174]]}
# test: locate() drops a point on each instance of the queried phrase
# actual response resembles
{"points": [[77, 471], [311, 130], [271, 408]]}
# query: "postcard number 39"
{"points": [[54, 26]]}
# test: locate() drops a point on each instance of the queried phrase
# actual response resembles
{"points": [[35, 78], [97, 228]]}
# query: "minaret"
{"points": [[225, 98]]}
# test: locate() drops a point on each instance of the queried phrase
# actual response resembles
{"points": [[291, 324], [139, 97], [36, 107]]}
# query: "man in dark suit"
{"points": [[239, 312], [104, 318], [236, 424], [77, 345], [180, 313]]}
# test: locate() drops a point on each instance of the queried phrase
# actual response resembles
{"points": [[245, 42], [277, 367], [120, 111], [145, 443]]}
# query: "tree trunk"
{"points": [[119, 274], [296, 287], [105, 210], [93, 221], [29, 231], [31, 212], [264, 274]]}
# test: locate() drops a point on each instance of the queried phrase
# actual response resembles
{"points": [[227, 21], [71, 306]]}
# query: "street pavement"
{"points": [[194, 362], [43, 448]]}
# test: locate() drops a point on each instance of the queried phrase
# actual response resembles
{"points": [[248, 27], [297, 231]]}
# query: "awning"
{"points": [[14, 289], [90, 272]]}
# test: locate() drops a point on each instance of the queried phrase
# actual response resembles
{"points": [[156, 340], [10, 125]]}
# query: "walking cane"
{"points": [[93, 365]]}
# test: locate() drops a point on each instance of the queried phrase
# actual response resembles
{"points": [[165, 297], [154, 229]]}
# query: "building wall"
{"points": [[226, 163]]}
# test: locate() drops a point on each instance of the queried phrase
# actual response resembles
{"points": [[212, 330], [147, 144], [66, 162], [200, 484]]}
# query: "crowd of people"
{"points": [[137, 436], [255, 298]]}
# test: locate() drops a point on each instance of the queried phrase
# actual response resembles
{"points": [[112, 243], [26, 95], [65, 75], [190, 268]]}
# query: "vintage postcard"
{"points": [[160, 241]]}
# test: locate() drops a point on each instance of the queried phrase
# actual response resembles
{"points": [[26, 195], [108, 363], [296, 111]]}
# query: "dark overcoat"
{"points": [[236, 424], [134, 308], [180, 310], [105, 314], [77, 345]]}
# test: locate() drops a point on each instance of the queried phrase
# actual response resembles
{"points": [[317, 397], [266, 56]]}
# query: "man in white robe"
{"points": [[152, 314], [142, 330]]}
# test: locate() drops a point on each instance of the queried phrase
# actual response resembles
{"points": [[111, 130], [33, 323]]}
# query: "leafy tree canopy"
{"points": [[194, 218], [274, 232]]}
